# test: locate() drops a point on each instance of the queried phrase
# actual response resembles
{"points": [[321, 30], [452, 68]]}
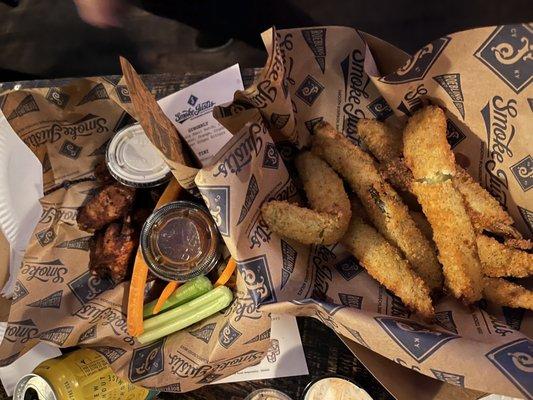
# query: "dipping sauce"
{"points": [[134, 161], [334, 388], [180, 241], [267, 394]]}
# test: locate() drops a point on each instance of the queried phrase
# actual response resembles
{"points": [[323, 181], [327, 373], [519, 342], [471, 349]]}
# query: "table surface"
{"points": [[324, 351]]}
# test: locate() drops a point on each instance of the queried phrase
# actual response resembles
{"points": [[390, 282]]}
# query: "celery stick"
{"points": [[186, 292], [187, 314]]}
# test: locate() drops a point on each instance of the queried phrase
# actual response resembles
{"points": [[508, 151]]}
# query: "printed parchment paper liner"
{"points": [[320, 76], [330, 74]]}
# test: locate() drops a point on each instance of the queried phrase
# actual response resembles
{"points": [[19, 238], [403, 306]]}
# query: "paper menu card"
{"points": [[190, 110], [285, 357]]}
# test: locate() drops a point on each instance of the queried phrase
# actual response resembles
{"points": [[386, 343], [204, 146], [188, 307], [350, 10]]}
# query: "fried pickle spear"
{"points": [[382, 204], [498, 260], [504, 293], [328, 219], [430, 159], [484, 211], [385, 263]]}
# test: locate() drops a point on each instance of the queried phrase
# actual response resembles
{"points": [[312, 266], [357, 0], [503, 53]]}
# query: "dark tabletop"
{"points": [[324, 351]]}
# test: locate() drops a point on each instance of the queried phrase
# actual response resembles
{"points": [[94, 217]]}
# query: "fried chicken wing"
{"points": [[328, 219], [113, 251], [385, 263], [505, 293], [383, 205], [111, 203], [498, 260], [429, 157]]}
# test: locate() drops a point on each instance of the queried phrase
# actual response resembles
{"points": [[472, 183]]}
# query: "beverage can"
{"points": [[80, 375]]}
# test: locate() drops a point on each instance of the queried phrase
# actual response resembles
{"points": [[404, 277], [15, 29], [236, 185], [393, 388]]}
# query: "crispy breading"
{"points": [[454, 236], [504, 293], [521, 244], [484, 210], [383, 205], [426, 150], [110, 204], [422, 223], [498, 260], [385, 263], [397, 173], [328, 219], [383, 141], [113, 251]]}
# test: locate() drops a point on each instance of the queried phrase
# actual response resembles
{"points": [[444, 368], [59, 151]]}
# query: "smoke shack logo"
{"points": [[310, 89], [289, 261], [21, 331], [310, 124], [515, 361], [204, 333], [508, 53], [217, 200], [87, 286], [57, 336], [88, 334], [498, 116], [112, 354], [51, 213], [523, 172], [454, 136], [351, 300], [241, 154], [95, 313], [278, 121], [98, 92], [70, 150], [147, 361], [52, 301], [26, 106], [57, 97], [527, 216], [82, 243], [321, 258], [45, 236], [273, 351], [195, 110], [123, 93], [451, 83], [513, 317], [228, 335], [271, 159], [19, 292], [256, 275], [357, 336], [85, 126], [355, 83], [448, 377], [316, 40], [418, 66], [444, 319], [419, 341], [262, 336], [251, 194], [380, 109], [183, 367], [48, 271], [349, 268], [413, 100]]}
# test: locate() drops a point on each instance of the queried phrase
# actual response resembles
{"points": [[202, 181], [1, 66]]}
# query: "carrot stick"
{"points": [[165, 294], [140, 271], [226, 274]]}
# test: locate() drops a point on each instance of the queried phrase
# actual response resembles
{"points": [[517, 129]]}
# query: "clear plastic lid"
{"points": [[134, 161], [180, 241]]}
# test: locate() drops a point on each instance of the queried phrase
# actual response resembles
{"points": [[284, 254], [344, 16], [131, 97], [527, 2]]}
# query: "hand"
{"points": [[101, 13]]}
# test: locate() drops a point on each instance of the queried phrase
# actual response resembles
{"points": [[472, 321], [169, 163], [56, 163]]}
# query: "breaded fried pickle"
{"points": [[504, 293], [498, 260], [428, 155], [385, 263], [384, 142], [383, 205], [330, 214]]}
